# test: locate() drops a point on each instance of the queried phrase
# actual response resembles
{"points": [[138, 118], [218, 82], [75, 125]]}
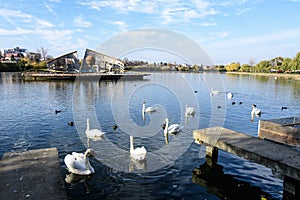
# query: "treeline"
{"points": [[278, 64], [22, 64]]}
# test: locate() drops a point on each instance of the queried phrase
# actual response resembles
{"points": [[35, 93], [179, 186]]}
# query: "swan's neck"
{"points": [[144, 107], [87, 124], [131, 144], [86, 160], [166, 128]]}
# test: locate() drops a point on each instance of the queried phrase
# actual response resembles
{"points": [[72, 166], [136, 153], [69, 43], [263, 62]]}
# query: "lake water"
{"points": [[28, 121]]}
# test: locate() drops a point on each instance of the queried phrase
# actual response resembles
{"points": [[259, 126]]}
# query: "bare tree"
{"points": [[252, 61], [43, 53]]}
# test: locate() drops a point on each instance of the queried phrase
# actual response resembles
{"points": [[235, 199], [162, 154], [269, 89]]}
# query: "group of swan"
{"points": [[78, 163]]}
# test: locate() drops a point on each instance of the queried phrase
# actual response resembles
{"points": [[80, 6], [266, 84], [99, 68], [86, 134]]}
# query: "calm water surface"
{"points": [[28, 121]]}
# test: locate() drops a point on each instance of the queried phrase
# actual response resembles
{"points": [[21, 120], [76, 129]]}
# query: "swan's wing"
{"points": [[94, 133], [174, 128], [139, 153], [190, 110], [75, 162], [150, 109]]}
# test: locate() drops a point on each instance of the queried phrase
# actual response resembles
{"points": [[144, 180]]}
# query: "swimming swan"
{"points": [[138, 153], [78, 163], [148, 109], [213, 92], [173, 129], [94, 133], [229, 95], [189, 110], [255, 110]]}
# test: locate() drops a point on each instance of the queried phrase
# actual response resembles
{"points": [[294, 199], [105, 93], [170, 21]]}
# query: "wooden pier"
{"points": [[33, 174], [31, 76], [284, 160]]}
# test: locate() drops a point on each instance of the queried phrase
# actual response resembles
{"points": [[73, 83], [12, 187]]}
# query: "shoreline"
{"points": [[282, 75]]}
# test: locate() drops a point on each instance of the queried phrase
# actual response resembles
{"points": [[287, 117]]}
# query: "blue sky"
{"points": [[228, 31]]}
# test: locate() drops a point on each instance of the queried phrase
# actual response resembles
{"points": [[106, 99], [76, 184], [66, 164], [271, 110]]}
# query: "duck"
{"points": [[94, 133], [173, 129], [71, 123], [78, 163], [138, 153], [189, 110], [229, 95], [114, 126], [57, 111], [283, 108], [255, 110], [148, 109]]}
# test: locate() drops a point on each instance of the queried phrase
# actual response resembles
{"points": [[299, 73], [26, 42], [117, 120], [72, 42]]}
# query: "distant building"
{"points": [[34, 57], [68, 62], [96, 62], [16, 52]]}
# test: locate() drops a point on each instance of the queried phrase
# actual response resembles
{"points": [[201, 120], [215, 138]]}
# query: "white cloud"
{"points": [[14, 13], [121, 25], [17, 31], [79, 21], [50, 9], [43, 24], [208, 24]]}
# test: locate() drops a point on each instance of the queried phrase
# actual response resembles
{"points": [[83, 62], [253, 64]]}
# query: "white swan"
{"points": [[138, 153], [189, 110], [255, 110], [78, 163], [173, 129], [148, 109], [94, 133], [213, 92], [229, 95]]}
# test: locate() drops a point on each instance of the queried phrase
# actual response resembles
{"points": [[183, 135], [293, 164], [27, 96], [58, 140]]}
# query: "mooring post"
{"points": [[211, 155], [291, 188]]}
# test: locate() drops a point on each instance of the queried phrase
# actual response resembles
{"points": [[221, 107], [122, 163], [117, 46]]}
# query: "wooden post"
{"points": [[211, 155], [291, 188]]}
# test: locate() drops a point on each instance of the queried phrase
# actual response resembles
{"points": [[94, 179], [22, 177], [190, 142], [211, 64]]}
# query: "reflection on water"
{"points": [[28, 121], [225, 186]]}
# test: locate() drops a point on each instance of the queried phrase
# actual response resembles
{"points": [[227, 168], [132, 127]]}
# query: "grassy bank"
{"points": [[278, 75]]}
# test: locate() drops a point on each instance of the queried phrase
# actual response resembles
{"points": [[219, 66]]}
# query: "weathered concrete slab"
{"points": [[282, 159], [33, 174], [283, 130]]}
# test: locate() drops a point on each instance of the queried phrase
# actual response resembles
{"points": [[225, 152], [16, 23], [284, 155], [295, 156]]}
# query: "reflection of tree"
{"points": [[225, 186]]}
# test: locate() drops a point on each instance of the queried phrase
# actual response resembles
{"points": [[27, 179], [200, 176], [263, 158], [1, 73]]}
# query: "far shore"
{"points": [[281, 75]]}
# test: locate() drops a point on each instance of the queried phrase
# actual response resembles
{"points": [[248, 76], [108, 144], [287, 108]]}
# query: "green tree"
{"points": [[263, 66], [287, 64], [245, 68], [233, 66], [296, 61]]}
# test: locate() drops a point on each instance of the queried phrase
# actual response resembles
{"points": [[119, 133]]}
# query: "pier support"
{"points": [[211, 155], [284, 160]]}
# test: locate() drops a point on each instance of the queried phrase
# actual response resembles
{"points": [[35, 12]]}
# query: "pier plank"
{"points": [[282, 159], [33, 174]]}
